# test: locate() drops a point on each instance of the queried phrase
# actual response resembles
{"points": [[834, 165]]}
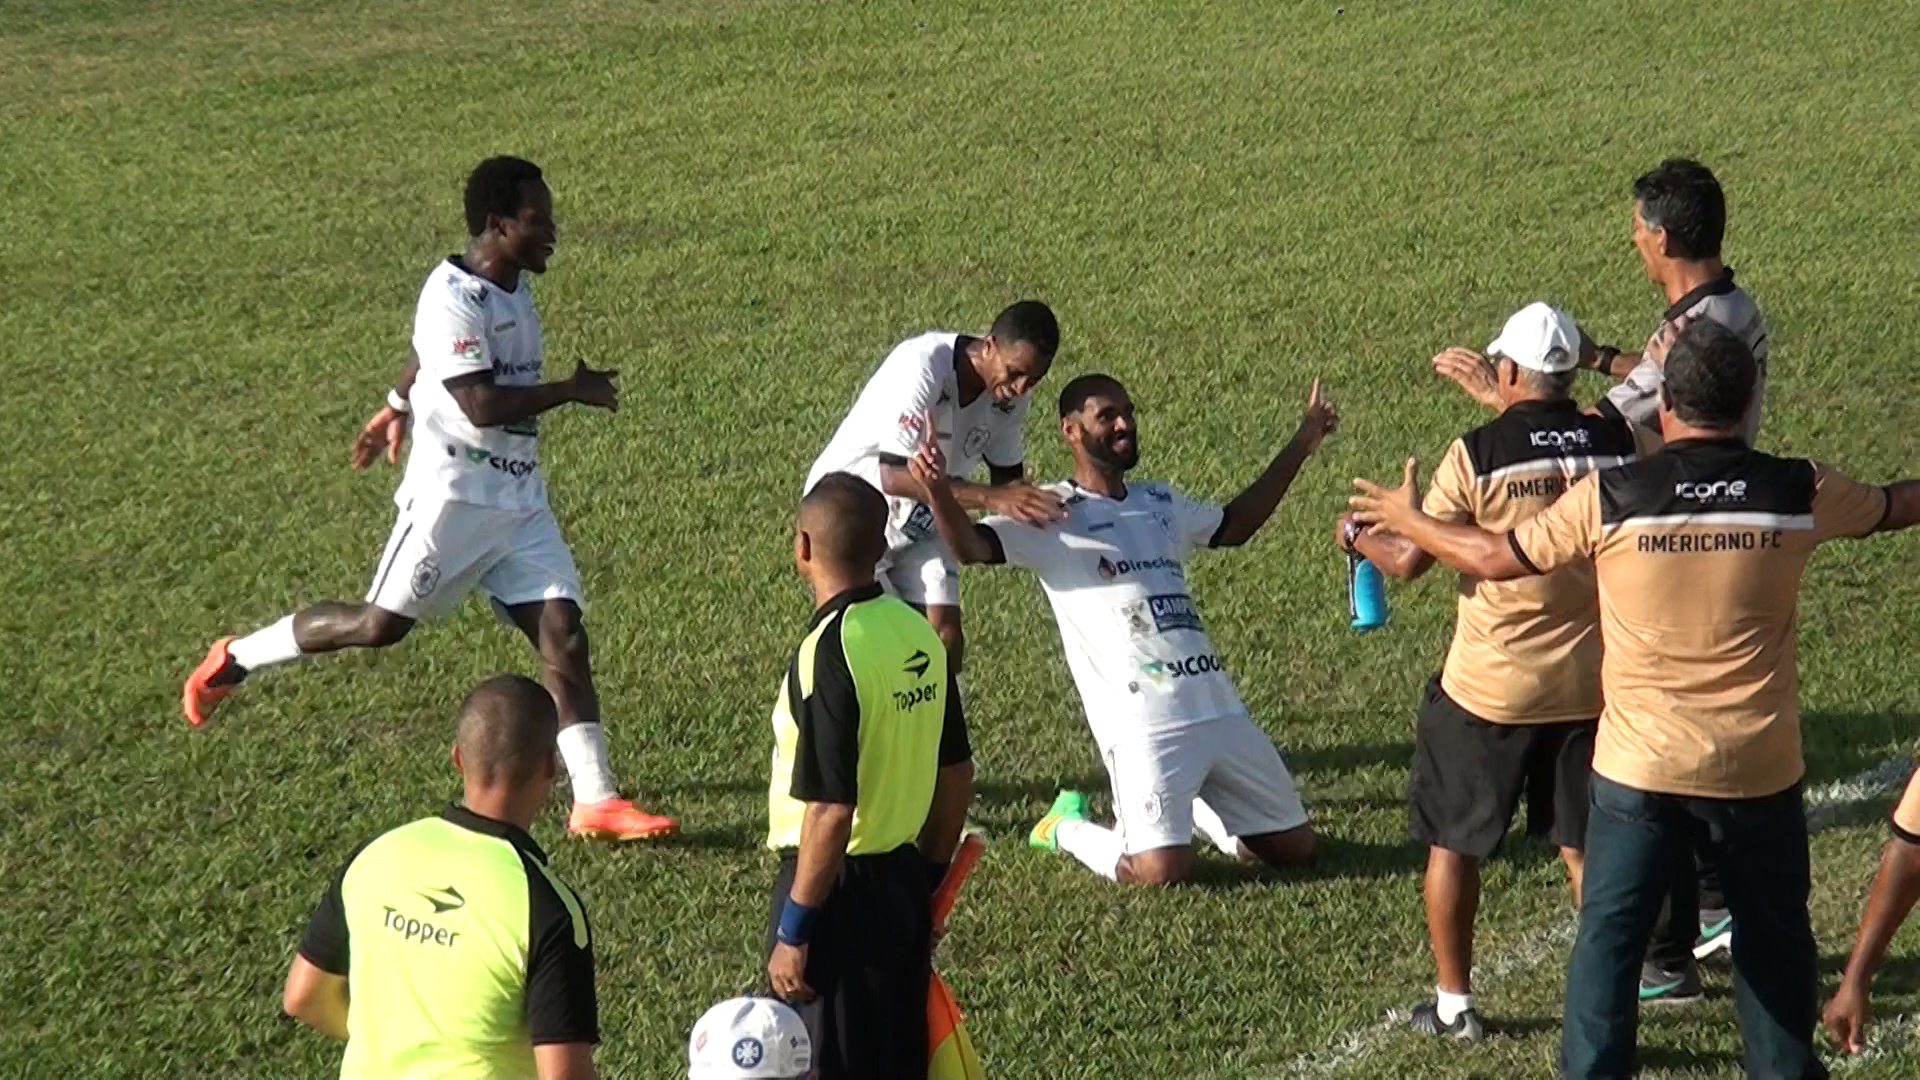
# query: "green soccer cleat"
{"points": [[1067, 806]]}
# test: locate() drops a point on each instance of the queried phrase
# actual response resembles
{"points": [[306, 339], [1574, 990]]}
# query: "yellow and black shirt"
{"points": [[1699, 550], [868, 715], [461, 949]]}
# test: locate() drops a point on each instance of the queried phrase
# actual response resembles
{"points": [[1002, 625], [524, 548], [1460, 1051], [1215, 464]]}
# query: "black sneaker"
{"points": [[1466, 1027], [1659, 986], [1716, 933]]}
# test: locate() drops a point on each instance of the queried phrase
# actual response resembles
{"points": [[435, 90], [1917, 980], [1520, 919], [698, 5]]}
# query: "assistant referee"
{"points": [[871, 778], [447, 947]]}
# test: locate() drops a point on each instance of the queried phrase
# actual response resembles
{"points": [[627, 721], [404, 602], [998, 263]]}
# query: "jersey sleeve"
{"points": [[1637, 398], [1029, 546], [1562, 534], [1195, 523], [1906, 816], [563, 1005], [1450, 495], [826, 765], [955, 747], [1843, 507], [325, 944], [1009, 445], [902, 393], [450, 332]]}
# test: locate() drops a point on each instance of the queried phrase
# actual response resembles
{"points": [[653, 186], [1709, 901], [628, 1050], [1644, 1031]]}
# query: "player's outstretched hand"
{"points": [[595, 387], [1321, 420], [1022, 501], [386, 431], [928, 465], [1376, 505], [1472, 371], [1846, 1018]]}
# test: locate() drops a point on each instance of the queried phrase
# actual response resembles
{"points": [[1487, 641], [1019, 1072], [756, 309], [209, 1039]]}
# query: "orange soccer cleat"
{"points": [[201, 695], [618, 819]]}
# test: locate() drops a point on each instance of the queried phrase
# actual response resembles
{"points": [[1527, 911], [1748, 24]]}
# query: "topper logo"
{"points": [[1712, 492], [1560, 440]]}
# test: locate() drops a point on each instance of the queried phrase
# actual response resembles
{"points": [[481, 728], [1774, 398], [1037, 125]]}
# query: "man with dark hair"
{"points": [[1701, 729], [473, 503], [1679, 223], [872, 774], [447, 947], [1896, 888], [1515, 707], [1178, 744], [972, 393]]}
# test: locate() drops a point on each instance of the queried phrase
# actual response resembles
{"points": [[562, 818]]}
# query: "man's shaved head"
{"points": [[845, 521], [508, 725]]}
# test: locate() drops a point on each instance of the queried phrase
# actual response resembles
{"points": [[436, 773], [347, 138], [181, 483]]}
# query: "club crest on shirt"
{"points": [[1136, 617], [1151, 807], [976, 442], [426, 577]]}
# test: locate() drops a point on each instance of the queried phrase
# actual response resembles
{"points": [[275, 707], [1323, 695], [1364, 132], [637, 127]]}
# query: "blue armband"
{"points": [[796, 923]]}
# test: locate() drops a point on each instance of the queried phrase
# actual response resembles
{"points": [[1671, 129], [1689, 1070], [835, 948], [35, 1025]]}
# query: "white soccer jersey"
{"points": [[1115, 574], [465, 323], [889, 416]]}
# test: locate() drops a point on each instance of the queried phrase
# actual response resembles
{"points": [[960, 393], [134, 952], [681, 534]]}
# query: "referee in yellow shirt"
{"points": [[447, 948], [871, 778]]}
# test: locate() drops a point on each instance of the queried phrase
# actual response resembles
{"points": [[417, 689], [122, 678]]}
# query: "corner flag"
{"points": [[953, 1056]]}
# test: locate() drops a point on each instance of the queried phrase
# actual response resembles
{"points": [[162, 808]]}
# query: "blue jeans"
{"points": [[1637, 841]]}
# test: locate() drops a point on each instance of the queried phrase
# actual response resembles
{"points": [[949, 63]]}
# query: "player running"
{"points": [[976, 391], [1170, 726], [473, 502]]}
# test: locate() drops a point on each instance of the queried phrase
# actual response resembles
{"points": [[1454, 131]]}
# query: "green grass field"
{"points": [[218, 221]]}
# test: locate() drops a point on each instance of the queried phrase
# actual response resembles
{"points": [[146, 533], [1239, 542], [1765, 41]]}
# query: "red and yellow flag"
{"points": [[953, 1056]]}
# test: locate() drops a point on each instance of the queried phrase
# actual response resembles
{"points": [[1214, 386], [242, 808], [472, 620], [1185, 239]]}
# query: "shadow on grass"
{"points": [[1703, 1062], [1896, 975], [1323, 761], [1842, 745]]}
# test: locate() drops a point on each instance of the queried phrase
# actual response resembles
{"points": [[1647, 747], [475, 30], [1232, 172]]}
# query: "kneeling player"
{"points": [[1179, 747], [473, 503]]}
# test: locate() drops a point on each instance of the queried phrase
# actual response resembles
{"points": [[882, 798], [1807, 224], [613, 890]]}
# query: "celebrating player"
{"points": [[1164, 712], [473, 502], [972, 394]]}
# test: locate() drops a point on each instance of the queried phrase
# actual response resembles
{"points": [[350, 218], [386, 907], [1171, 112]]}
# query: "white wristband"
{"points": [[397, 403]]}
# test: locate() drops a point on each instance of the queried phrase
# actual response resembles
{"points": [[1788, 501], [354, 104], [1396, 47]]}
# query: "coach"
{"points": [[871, 778], [447, 947], [1701, 728]]}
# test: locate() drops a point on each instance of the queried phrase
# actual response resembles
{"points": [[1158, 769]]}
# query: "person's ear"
{"points": [[1663, 242], [457, 766], [802, 547]]}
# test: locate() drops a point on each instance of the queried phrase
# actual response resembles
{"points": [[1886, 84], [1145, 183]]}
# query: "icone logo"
{"points": [[1110, 569], [1716, 491], [1561, 439]]}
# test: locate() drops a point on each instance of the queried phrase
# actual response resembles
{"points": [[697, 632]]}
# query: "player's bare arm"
{"points": [[823, 847], [488, 404], [927, 472], [1606, 359], [1015, 498], [316, 998], [1896, 888], [564, 1061], [1484, 554], [1395, 556], [952, 791], [1251, 508], [388, 428]]}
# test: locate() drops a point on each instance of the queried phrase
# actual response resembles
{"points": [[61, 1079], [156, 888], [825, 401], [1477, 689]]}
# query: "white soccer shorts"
{"points": [[923, 574], [1229, 762], [438, 551]]}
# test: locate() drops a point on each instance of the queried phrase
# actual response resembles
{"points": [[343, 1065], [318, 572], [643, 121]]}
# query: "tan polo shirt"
{"points": [[1699, 550], [1906, 816], [1525, 651]]}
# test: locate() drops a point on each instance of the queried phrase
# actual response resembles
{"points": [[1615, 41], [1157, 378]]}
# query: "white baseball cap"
{"points": [[1539, 337], [749, 1038]]}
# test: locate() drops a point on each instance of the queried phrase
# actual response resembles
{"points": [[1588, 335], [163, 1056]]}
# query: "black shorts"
{"points": [[870, 963], [1469, 775]]}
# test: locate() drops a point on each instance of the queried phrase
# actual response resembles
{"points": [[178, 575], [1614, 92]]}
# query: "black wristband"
{"points": [[1603, 358]]}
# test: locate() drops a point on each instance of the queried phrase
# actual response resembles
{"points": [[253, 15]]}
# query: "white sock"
{"points": [[1210, 826], [1100, 849], [584, 748], [1452, 1004], [266, 647]]}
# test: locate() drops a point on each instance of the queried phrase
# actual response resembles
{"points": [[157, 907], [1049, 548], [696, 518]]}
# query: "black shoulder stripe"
{"points": [[1521, 437], [1707, 477]]}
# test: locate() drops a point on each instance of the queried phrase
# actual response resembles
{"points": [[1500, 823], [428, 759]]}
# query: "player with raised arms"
{"points": [[1178, 744], [473, 502]]}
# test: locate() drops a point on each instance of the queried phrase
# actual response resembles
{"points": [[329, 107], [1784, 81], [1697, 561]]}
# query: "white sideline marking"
{"points": [[1826, 806]]}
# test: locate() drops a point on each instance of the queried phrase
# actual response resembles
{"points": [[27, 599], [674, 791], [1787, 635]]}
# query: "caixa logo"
{"points": [[1716, 491], [511, 466], [1561, 440]]}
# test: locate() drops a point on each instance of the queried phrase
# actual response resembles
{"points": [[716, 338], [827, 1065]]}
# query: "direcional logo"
{"points": [[917, 663], [1717, 491], [443, 899], [1110, 569]]}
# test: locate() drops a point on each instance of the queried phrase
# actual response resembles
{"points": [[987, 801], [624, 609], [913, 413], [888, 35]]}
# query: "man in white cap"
{"points": [[749, 1039], [1514, 709]]}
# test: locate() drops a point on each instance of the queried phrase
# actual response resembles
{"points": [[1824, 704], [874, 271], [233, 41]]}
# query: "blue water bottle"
{"points": [[1366, 589]]}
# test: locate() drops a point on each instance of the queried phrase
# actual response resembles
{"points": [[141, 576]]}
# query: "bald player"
{"points": [[871, 778], [446, 947]]}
